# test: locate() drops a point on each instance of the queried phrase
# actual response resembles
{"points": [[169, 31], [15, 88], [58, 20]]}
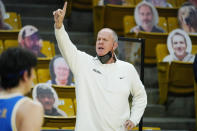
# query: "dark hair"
{"points": [[41, 90], [13, 63], [192, 18]]}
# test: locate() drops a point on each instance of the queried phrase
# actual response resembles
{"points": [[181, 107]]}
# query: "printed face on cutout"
{"points": [[145, 15], [179, 45], [61, 71]]}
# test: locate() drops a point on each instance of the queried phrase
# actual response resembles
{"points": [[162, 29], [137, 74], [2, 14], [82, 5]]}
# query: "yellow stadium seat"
{"points": [[163, 23], [67, 106], [172, 2], [43, 75], [35, 81], [68, 128], [95, 2], [137, 1], [111, 16], [69, 8], [114, 15], [75, 105], [172, 23], [179, 3], [10, 43], [128, 22], [161, 52], [42, 70], [14, 20], [146, 128], [47, 49], [151, 41], [54, 122], [9, 34], [98, 17], [53, 49], [130, 2], [82, 4], [170, 78], [66, 96], [193, 39], [1, 46]]}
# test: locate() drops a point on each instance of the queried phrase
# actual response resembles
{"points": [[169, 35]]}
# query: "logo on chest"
{"points": [[97, 71]]}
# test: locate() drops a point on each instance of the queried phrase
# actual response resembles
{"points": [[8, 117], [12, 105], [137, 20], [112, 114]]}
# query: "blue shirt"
{"points": [[7, 106]]}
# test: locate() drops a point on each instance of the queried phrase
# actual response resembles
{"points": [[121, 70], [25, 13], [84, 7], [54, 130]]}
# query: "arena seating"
{"points": [[170, 75]]}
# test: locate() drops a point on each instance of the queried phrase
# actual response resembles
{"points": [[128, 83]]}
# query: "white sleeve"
{"points": [[67, 48], [139, 100]]}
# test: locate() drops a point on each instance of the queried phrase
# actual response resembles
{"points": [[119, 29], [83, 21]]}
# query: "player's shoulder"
{"points": [[29, 104]]}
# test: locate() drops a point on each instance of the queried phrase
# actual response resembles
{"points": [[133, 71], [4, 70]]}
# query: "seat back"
{"points": [[53, 49], [172, 23], [163, 23], [95, 2], [130, 2], [82, 4], [172, 2], [35, 81], [146, 129], [181, 75], [47, 49], [176, 77], [151, 40], [128, 23], [9, 34], [42, 70], [43, 75], [1, 46], [193, 39], [66, 96], [137, 1], [179, 3], [161, 52], [54, 122], [10, 43], [14, 20], [181, 78], [114, 15]]}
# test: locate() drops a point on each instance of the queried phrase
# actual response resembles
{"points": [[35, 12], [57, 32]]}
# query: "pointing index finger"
{"points": [[65, 6]]}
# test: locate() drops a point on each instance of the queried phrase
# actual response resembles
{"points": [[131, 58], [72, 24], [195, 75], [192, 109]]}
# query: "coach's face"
{"points": [[105, 42]]}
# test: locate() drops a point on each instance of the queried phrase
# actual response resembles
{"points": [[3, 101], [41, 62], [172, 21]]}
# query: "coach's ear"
{"points": [[115, 46]]}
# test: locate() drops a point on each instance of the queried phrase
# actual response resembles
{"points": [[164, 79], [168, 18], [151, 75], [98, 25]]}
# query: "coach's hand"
{"points": [[59, 16]]}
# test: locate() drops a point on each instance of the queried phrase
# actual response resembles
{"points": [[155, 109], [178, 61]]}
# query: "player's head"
{"points": [[16, 65]]}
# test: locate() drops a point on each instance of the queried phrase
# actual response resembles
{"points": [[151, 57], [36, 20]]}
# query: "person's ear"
{"points": [[25, 76], [115, 46]]}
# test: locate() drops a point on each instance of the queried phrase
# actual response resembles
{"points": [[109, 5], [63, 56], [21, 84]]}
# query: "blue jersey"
{"points": [[8, 108]]}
